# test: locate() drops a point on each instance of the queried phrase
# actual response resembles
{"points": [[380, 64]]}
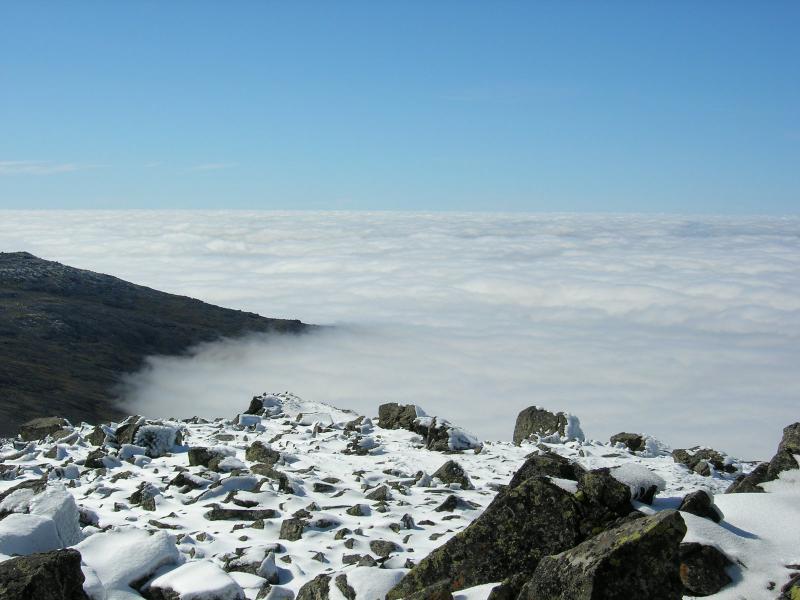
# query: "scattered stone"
{"points": [[702, 569], [639, 559], [700, 460], [316, 589], [701, 503], [342, 585], [449, 505], [323, 488], [750, 483], [380, 493]]}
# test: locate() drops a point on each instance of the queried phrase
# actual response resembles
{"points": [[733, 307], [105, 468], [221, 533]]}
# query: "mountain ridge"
{"points": [[67, 335]]}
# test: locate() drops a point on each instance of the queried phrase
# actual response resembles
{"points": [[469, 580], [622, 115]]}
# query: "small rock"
{"points": [[261, 453], [292, 529], [702, 569], [633, 441], [452, 472], [383, 548], [701, 503]]}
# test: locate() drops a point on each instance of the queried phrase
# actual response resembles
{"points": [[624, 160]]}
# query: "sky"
{"points": [[683, 328], [678, 107]]}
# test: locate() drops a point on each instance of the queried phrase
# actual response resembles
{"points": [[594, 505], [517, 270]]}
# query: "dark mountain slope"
{"points": [[67, 335]]}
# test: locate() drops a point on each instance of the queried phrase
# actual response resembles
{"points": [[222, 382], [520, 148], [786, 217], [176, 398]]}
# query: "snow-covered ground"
{"points": [[178, 545]]}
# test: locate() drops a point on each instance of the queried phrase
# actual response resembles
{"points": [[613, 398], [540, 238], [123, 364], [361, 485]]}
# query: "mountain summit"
{"points": [[67, 335]]}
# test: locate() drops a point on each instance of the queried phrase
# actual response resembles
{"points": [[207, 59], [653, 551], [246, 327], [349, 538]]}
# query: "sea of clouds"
{"points": [[686, 328]]}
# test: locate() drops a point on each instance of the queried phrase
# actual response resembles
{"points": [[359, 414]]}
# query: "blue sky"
{"points": [[549, 106]]}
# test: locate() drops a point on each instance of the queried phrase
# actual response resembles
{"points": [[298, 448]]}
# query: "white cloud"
{"points": [[39, 167], [684, 328]]}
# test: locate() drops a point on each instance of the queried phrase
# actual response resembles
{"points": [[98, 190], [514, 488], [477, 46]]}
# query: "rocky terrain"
{"points": [[296, 499], [67, 336]]}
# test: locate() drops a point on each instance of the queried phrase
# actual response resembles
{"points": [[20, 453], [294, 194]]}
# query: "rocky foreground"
{"points": [[296, 499]]}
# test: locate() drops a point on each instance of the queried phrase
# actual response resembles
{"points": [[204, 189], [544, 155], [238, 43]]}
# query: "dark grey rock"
{"points": [[383, 548], [639, 559], [633, 441], [750, 483], [380, 493], [38, 429], [535, 420], [548, 464], [694, 458], [396, 416], [452, 472], [292, 529], [221, 513], [261, 453], [700, 503], [702, 569], [437, 591], [53, 575], [342, 585], [316, 589]]}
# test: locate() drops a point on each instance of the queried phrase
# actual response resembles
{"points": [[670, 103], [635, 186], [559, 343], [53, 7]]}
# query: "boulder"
{"points": [[605, 493], [316, 589], [701, 503], [519, 527], [344, 587], [157, 439], [547, 464], [702, 569], [126, 431], [53, 575], [633, 441], [292, 529], [639, 559], [540, 422], [383, 548], [38, 429], [260, 452], [222, 513], [452, 472], [193, 580], [396, 416], [437, 591]]}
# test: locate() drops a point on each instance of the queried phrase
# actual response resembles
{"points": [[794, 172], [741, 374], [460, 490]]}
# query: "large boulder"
{"points": [[259, 452], [316, 589], [519, 527], [535, 421], [638, 559], [53, 575], [396, 416], [38, 429]]}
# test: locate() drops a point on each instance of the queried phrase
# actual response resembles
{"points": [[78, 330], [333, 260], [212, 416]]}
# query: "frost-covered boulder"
{"points": [[642, 482], [639, 559], [125, 556], [536, 422], [53, 575], [157, 439], [22, 534], [196, 580]]}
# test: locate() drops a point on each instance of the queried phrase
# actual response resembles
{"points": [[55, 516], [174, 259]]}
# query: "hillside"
{"points": [[67, 335], [298, 499]]}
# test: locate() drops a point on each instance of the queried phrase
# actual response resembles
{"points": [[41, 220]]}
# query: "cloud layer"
{"points": [[684, 328]]}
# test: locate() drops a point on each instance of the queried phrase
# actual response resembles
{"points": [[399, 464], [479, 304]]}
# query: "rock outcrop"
{"points": [[784, 460]]}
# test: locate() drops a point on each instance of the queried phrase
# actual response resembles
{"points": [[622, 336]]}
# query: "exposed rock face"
{"points": [[538, 421], [452, 472], [38, 429], [782, 461], [89, 329], [633, 441], [700, 503], [702, 569], [639, 559], [53, 575]]}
